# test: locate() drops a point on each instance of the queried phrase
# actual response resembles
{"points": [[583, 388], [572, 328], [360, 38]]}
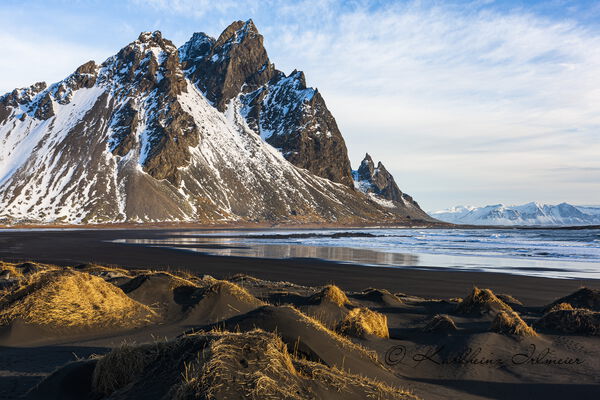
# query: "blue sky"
{"points": [[466, 102]]}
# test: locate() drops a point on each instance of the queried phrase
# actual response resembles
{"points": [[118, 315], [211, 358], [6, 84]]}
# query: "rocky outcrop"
{"points": [[236, 60], [281, 109], [377, 180], [150, 68]]}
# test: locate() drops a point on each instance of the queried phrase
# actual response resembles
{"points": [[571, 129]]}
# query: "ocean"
{"points": [[553, 253]]}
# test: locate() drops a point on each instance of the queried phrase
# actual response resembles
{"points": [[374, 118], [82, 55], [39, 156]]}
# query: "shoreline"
{"points": [[281, 225], [78, 247]]}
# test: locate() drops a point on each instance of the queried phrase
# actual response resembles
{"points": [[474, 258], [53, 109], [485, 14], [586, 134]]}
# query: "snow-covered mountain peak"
{"points": [[237, 32], [533, 213]]}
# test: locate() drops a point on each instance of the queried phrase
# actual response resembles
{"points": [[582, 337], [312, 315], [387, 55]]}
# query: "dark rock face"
{"points": [[150, 66], [236, 59], [295, 120], [287, 114], [123, 123], [43, 109], [378, 180]]}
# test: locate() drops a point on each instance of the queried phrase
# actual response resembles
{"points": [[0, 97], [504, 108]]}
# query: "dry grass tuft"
{"points": [[243, 278], [440, 324], [24, 271], [508, 299], [257, 365], [71, 299], [227, 365], [230, 288], [248, 365], [561, 306], [481, 301], [103, 271], [509, 322], [578, 320], [122, 366], [175, 279], [362, 322], [341, 340], [332, 294]]}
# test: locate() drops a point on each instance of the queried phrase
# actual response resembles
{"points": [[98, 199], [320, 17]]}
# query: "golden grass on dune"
{"points": [[331, 293], [343, 341], [509, 322], [561, 306], [234, 290], [508, 299], [481, 301], [101, 270], [440, 324], [16, 270], [67, 299], [227, 365], [363, 322]]}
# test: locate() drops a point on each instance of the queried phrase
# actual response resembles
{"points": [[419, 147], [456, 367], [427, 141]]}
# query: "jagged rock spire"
{"points": [[237, 60], [379, 181]]}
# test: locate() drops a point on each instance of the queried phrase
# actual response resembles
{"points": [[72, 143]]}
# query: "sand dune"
{"points": [[199, 337]]}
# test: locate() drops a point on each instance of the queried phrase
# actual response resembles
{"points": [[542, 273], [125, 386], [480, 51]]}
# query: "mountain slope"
{"points": [[280, 108], [527, 214], [135, 140]]}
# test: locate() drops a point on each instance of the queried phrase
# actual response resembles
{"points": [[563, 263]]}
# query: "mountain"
{"points": [[280, 108], [563, 214], [379, 184], [208, 132]]}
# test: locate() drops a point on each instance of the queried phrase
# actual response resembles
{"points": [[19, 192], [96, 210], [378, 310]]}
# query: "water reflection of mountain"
{"points": [[228, 247], [341, 254]]}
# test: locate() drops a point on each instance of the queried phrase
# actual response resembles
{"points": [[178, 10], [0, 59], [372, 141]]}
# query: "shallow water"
{"points": [[573, 254]]}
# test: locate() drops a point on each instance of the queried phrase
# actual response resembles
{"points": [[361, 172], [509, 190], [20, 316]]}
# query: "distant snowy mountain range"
{"points": [[527, 214]]}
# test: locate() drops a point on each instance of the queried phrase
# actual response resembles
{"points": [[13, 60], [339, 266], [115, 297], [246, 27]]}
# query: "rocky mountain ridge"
{"points": [[208, 132]]}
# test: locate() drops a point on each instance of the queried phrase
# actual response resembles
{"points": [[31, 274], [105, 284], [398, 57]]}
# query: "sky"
{"points": [[466, 102]]}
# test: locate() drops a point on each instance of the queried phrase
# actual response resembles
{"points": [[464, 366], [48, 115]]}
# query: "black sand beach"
{"points": [[72, 247], [28, 355]]}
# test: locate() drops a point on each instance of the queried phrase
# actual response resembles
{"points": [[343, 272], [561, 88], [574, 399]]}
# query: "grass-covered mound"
{"points": [[13, 275], [364, 323], [578, 321], [380, 296], [582, 298], [165, 292], [67, 300], [226, 365], [509, 322], [221, 300], [309, 338], [330, 294], [440, 324], [480, 302]]}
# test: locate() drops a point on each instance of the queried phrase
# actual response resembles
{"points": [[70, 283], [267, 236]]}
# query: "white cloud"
{"points": [[483, 100]]}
